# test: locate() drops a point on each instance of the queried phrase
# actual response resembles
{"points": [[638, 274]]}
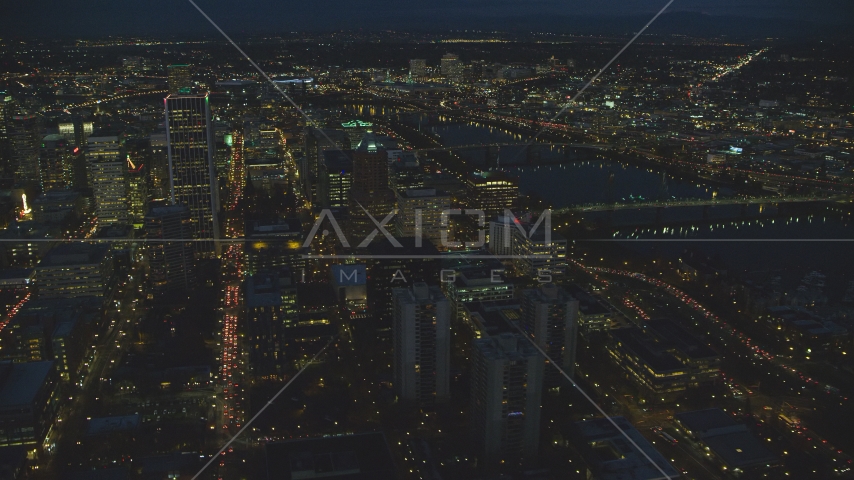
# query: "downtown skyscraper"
{"points": [[25, 138], [190, 147], [550, 317], [170, 256], [506, 392], [422, 342], [107, 172]]}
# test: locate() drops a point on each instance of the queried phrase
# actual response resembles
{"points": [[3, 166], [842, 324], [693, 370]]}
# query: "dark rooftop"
{"points": [[347, 457], [730, 440], [676, 335], [384, 247], [75, 254], [491, 318], [740, 450], [633, 339], [704, 420], [612, 457], [21, 382]]}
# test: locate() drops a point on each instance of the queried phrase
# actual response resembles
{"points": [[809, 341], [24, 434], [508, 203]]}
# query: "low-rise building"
{"points": [[659, 375], [72, 270], [28, 402], [609, 456], [734, 448]]}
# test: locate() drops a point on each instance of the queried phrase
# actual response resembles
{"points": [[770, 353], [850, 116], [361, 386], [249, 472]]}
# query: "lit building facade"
{"points": [[491, 192], [191, 166], [336, 179], [172, 262], [271, 309], [25, 140], [419, 214], [418, 68], [108, 178], [73, 270], [138, 195], [56, 163], [178, 78]]}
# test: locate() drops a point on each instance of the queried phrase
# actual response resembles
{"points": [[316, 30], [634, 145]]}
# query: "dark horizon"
{"points": [[754, 20]]}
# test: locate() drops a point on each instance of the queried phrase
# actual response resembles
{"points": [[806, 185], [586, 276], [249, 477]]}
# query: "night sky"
{"points": [[86, 18]]}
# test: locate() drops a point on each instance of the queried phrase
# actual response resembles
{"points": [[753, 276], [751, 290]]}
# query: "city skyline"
{"points": [[444, 254]]}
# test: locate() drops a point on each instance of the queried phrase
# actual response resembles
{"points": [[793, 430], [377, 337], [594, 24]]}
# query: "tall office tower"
{"points": [[273, 243], [550, 317], [369, 191], [25, 140], [6, 107], [474, 72], [501, 235], [506, 389], [419, 215], [336, 178], [77, 132], [452, 68], [418, 68], [316, 142], [271, 309], [222, 156], [370, 165], [191, 166], [422, 340], [269, 139], [251, 135], [138, 196], [108, 179], [178, 77], [491, 192], [159, 165], [406, 172], [56, 163], [172, 261], [391, 267]]}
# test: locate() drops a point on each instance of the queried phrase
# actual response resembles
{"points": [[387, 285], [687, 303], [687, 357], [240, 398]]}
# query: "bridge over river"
{"points": [[447, 148], [695, 202]]}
